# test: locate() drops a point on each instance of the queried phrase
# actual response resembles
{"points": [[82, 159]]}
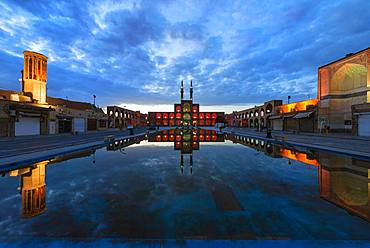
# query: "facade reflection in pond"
{"points": [[32, 188], [33, 183], [186, 141], [343, 181]]}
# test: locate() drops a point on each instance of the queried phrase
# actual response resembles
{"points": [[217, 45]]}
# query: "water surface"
{"points": [[185, 185]]}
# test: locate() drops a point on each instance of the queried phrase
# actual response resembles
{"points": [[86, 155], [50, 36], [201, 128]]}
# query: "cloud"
{"points": [[238, 53]]}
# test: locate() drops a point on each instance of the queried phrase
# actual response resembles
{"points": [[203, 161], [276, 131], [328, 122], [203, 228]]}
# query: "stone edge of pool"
{"points": [[29, 158], [12, 162], [344, 152]]}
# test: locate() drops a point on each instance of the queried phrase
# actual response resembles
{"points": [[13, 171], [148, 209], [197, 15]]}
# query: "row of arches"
{"points": [[259, 123], [259, 112]]}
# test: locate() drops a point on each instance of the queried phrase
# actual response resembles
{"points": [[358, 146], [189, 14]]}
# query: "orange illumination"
{"points": [[159, 115], [172, 115], [178, 137], [298, 156], [172, 138], [201, 137], [296, 106]]}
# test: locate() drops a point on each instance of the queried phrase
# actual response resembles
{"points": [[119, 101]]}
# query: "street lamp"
{"points": [[94, 99], [289, 98]]}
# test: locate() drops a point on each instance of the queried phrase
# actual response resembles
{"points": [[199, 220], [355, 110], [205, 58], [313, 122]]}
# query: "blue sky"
{"points": [[135, 53]]}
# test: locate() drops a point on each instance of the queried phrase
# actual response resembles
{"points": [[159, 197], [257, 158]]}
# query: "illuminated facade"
{"points": [[297, 116], [256, 117], [186, 113], [32, 112], [342, 84], [35, 76]]}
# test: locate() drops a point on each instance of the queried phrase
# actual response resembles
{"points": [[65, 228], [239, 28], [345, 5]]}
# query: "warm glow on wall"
{"points": [[296, 106], [298, 156]]}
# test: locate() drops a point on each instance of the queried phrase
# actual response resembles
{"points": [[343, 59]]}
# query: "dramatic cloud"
{"points": [[135, 53]]}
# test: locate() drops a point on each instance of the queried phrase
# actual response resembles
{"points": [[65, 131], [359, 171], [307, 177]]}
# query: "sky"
{"points": [[135, 53]]}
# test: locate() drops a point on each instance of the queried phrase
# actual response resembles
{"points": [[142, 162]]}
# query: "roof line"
{"points": [[346, 57]]}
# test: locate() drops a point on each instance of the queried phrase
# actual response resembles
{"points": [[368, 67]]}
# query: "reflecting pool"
{"points": [[188, 184]]}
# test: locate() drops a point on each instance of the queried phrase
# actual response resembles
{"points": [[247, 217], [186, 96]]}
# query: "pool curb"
{"points": [[13, 162], [344, 152]]}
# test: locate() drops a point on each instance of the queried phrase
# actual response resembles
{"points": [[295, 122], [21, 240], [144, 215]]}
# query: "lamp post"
{"points": [[94, 99], [289, 98]]}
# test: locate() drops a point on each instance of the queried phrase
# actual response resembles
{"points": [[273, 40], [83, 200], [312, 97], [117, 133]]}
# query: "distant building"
{"points": [[32, 112], [119, 117], [256, 117], [186, 113]]}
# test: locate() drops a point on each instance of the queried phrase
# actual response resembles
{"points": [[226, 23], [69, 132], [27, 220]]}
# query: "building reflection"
{"points": [[33, 183], [122, 143], [343, 181], [32, 188], [186, 141]]}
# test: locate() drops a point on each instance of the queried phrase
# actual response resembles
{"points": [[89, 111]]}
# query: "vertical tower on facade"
{"points": [[191, 89], [35, 75], [182, 90]]}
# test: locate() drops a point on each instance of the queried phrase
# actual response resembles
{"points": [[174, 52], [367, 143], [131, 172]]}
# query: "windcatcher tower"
{"points": [[35, 75]]}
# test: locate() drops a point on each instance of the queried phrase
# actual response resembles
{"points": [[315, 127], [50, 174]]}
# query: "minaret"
{"points": [[191, 163], [182, 90], [191, 89], [182, 163], [35, 75]]}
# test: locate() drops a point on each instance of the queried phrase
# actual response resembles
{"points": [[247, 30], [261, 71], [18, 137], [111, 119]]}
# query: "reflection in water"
{"points": [[186, 140], [32, 189], [342, 181], [33, 185]]}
